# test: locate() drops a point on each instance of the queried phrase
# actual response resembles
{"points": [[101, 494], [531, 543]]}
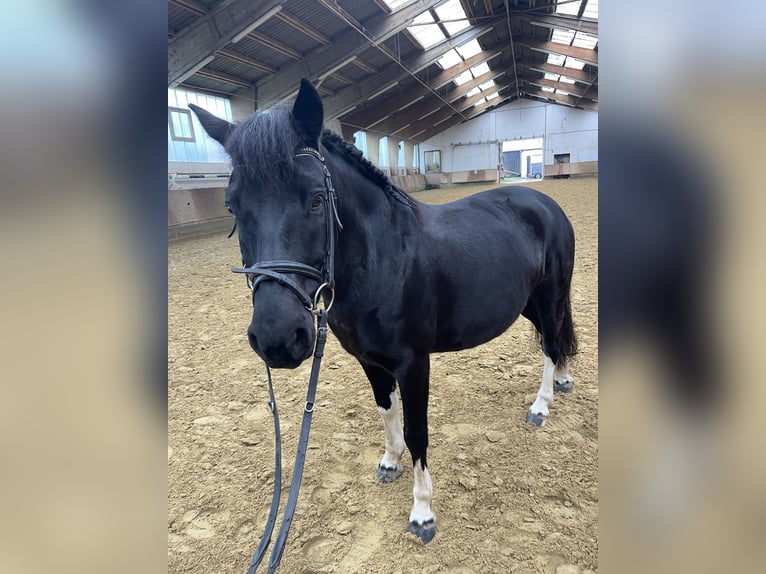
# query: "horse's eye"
{"points": [[318, 202]]}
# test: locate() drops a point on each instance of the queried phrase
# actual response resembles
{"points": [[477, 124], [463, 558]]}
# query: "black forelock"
{"points": [[264, 145]]}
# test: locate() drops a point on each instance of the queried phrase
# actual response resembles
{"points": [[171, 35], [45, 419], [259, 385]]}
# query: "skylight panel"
{"points": [[574, 63], [547, 89], [473, 92], [591, 10], [480, 102], [549, 76], [426, 32], [449, 59], [492, 96], [566, 80], [562, 36], [463, 78], [562, 92], [570, 8], [452, 10], [395, 4], [556, 59], [583, 40], [482, 68], [469, 49], [486, 85]]}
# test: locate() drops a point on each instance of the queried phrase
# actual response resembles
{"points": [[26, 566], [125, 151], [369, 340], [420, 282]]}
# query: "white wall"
{"points": [[203, 148], [564, 129]]}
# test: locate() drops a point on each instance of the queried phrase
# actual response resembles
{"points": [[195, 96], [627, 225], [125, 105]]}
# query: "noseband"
{"points": [[277, 270]]}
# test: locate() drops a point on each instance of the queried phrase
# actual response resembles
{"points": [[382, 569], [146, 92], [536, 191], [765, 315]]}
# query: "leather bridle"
{"points": [[325, 277], [277, 270]]}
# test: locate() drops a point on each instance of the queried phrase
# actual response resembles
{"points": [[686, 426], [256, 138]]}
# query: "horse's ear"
{"points": [[216, 128], [308, 112]]}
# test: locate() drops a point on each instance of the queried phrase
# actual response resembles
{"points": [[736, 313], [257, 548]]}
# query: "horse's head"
{"points": [[279, 194]]}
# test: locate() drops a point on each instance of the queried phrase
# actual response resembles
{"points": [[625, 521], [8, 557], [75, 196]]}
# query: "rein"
{"points": [[276, 271]]}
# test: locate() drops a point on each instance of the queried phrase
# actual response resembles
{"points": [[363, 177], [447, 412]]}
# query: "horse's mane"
{"points": [[265, 143], [334, 142]]}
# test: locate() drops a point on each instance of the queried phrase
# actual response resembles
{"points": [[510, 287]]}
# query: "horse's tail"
{"points": [[567, 336]]}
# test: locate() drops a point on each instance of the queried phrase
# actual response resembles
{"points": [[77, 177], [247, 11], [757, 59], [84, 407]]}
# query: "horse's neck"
{"points": [[374, 223]]}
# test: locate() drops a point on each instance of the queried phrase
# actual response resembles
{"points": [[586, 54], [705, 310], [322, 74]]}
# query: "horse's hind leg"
{"points": [[549, 311], [383, 387]]}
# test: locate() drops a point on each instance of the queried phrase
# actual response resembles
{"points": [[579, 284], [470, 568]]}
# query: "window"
{"points": [[181, 129], [433, 161]]}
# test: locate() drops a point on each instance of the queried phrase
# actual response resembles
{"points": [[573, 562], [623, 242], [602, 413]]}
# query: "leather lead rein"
{"points": [[300, 459]]}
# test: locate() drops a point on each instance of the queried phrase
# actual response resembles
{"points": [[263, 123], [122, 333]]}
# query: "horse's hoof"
{"points": [[425, 531], [386, 475], [563, 387], [536, 418]]}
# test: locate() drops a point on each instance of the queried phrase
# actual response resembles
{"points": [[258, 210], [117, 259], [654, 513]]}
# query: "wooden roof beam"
{"points": [[191, 5], [247, 60], [415, 112], [202, 39], [359, 63], [562, 22], [573, 89], [340, 52], [378, 110], [571, 101], [584, 54], [275, 45], [302, 27], [224, 77], [390, 75], [416, 120], [456, 119], [573, 73]]}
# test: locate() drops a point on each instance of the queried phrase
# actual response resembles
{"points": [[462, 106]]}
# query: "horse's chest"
{"points": [[361, 332], [345, 330]]}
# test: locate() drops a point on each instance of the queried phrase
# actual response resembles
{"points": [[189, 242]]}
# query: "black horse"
{"points": [[410, 279]]}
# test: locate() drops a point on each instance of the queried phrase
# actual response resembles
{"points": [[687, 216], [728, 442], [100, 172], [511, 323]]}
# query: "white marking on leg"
{"points": [[544, 398], [392, 424], [422, 491], [561, 374]]}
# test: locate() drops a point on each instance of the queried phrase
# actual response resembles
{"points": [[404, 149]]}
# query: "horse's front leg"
{"points": [[383, 387], [413, 385]]}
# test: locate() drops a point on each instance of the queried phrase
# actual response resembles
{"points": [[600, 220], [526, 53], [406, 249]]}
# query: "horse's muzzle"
{"points": [[285, 351]]}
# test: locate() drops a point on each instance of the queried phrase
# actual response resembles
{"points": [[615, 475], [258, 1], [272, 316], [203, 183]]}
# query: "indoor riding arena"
{"points": [[446, 98]]}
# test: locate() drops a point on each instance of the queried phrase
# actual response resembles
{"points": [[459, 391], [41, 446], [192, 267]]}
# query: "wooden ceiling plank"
{"points": [[275, 45], [379, 110], [302, 27], [570, 88], [191, 6], [340, 52], [584, 54], [389, 76], [224, 77], [245, 59], [562, 22], [573, 73], [202, 39]]}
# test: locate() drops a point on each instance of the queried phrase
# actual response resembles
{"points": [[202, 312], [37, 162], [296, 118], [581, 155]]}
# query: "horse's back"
{"points": [[518, 214]]}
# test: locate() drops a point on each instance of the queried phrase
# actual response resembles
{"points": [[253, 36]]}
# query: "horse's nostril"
{"points": [[253, 340], [301, 338]]}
